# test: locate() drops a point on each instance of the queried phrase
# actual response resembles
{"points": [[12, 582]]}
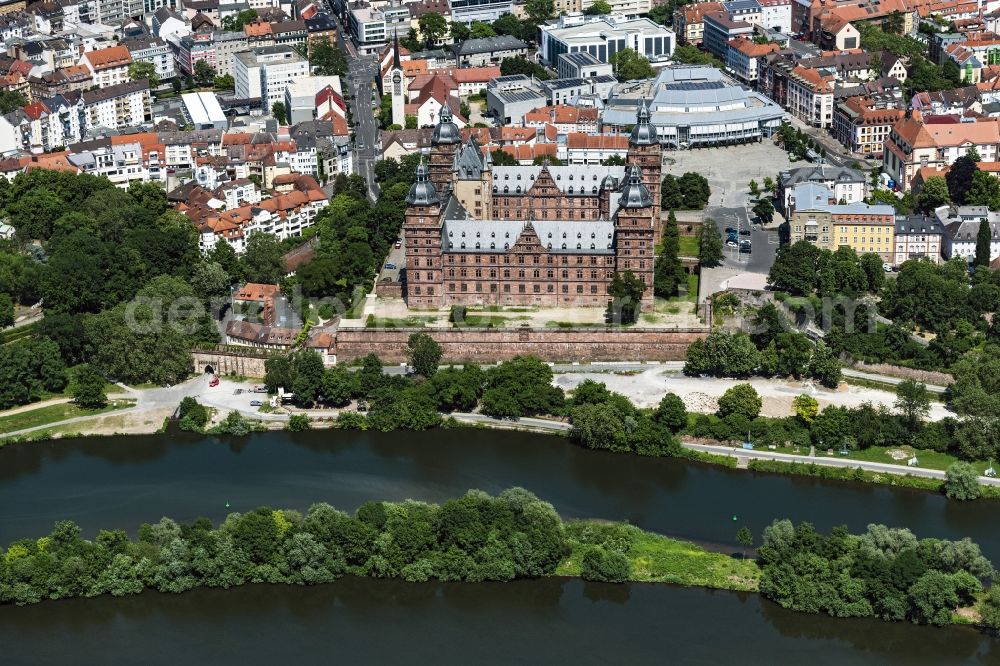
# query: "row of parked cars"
{"points": [[733, 239]]}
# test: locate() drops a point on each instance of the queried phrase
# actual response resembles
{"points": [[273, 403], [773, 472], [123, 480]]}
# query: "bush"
{"points": [[457, 314], [234, 424], [352, 421], [298, 423], [961, 482], [605, 566], [671, 413], [193, 416], [741, 399]]}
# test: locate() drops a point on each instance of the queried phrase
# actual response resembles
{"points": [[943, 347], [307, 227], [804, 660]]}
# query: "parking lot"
{"points": [[764, 243]]}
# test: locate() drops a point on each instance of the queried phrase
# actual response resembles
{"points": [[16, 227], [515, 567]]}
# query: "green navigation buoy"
{"points": [[734, 518], [227, 506]]}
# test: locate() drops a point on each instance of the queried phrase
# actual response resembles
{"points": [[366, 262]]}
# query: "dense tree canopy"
{"points": [[472, 538]]}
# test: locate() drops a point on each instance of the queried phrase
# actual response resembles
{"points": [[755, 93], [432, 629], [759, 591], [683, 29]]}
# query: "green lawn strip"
{"points": [[926, 458], [659, 559], [688, 246], [43, 415]]}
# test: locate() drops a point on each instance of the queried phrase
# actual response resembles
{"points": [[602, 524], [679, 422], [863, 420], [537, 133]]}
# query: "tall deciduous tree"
{"points": [[629, 65], [424, 354], [959, 178], [626, 292], [89, 389], [433, 27], [936, 193]]}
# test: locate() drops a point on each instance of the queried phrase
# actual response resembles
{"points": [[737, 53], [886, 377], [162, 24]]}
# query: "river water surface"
{"points": [[121, 482]]}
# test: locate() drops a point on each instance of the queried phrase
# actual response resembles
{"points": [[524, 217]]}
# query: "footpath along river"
{"points": [[121, 482]]}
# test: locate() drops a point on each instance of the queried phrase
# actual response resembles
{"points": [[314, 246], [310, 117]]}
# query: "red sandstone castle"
{"points": [[480, 234]]}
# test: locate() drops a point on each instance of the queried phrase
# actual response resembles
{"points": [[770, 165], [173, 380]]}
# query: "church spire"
{"points": [[395, 52]]}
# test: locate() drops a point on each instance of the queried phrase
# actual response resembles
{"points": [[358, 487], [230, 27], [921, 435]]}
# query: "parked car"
{"points": [[256, 403], [731, 243], [214, 381], [260, 389], [399, 243], [390, 267], [730, 230], [362, 406], [887, 268], [746, 246], [744, 232]]}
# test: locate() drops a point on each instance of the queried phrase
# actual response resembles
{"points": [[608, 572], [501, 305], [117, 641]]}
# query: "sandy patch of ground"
{"points": [[130, 423], [700, 394]]}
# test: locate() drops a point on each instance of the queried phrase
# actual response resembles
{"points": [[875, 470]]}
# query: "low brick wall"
{"points": [[247, 364], [487, 345]]}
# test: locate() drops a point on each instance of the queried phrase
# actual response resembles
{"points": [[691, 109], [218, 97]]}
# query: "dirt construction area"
{"points": [[701, 394]]}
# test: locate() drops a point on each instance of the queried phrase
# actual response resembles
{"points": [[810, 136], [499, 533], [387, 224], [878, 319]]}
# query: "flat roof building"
{"points": [[694, 105], [604, 36], [204, 110]]}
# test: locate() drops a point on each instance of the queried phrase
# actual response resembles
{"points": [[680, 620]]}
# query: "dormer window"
{"points": [[463, 234], [477, 246], [477, 234], [519, 176], [493, 234], [593, 235], [579, 235], [550, 234], [564, 246], [463, 246], [507, 235], [593, 246], [579, 246], [450, 233], [493, 246], [506, 246]]}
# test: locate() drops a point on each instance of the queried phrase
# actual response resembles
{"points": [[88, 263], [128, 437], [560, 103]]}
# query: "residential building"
{"points": [[264, 73], [689, 21], [816, 217], [565, 119], [108, 67], [488, 50], [743, 56], [227, 45], [806, 93], [118, 106], [918, 237], [372, 28], [720, 30], [155, 51], [192, 48], [863, 123], [914, 145], [961, 231], [847, 186]]}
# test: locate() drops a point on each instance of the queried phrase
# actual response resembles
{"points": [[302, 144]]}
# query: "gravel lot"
{"points": [[701, 393]]}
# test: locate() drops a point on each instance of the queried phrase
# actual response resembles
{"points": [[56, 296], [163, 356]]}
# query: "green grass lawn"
{"points": [[407, 322], [53, 413], [659, 559], [483, 320], [689, 246], [926, 458]]}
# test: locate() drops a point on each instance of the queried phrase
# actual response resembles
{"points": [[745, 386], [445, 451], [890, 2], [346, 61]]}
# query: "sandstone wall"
{"points": [[485, 345]]}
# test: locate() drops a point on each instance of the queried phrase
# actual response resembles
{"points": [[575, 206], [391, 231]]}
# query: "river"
{"points": [[121, 482]]}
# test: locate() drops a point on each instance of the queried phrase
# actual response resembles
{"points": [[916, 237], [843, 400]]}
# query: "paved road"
{"points": [[764, 243], [829, 462], [362, 71]]}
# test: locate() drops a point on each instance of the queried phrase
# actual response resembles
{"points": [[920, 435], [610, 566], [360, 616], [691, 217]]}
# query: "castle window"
{"points": [[519, 176], [564, 246], [463, 246], [595, 189], [451, 246], [535, 288], [477, 246], [477, 234], [550, 234], [518, 190], [579, 235], [507, 235], [592, 235], [564, 234], [450, 233], [565, 288], [506, 246], [506, 189], [551, 288], [451, 272], [571, 188], [548, 246], [506, 176], [463, 234], [506, 289], [592, 246], [493, 246], [579, 246]]}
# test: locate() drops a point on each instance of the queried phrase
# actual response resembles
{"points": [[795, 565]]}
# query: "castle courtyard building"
{"points": [[546, 236]]}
